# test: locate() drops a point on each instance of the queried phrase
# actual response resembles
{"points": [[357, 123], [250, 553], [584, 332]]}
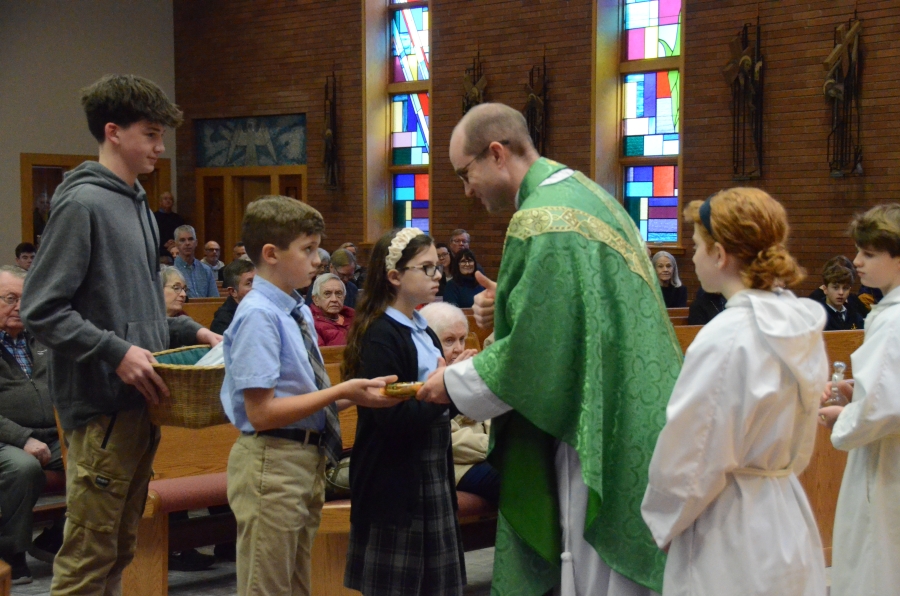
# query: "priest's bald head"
{"points": [[491, 151]]}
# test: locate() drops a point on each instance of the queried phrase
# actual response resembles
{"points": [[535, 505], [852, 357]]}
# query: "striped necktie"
{"points": [[333, 445]]}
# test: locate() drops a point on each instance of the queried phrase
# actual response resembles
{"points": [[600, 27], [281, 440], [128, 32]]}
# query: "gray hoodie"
{"points": [[93, 292]]}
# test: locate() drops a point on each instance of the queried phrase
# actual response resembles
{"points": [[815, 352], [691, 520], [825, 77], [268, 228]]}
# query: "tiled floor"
{"points": [[220, 580]]}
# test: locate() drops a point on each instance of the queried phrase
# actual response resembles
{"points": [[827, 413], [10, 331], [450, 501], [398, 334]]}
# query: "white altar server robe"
{"points": [[740, 426], [866, 550]]}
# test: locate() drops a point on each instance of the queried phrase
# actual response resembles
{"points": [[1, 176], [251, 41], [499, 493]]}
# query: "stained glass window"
{"points": [[651, 114], [411, 201], [651, 198], [409, 130], [409, 42], [652, 28]]}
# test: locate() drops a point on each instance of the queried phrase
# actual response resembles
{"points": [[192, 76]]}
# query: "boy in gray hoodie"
{"points": [[94, 298]]}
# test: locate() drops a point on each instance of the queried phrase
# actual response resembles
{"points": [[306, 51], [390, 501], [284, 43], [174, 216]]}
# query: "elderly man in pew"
{"points": [[28, 439]]}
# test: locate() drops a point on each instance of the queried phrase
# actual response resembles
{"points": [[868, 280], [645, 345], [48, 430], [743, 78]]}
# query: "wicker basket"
{"points": [[193, 400]]}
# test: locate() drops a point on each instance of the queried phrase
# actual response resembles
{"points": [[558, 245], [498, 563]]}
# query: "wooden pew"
{"points": [[481, 333], [203, 312], [332, 354], [189, 473], [822, 478], [472, 342], [678, 311], [5, 579]]}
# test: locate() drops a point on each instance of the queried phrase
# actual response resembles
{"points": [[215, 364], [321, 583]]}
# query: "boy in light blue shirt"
{"points": [[277, 393]]}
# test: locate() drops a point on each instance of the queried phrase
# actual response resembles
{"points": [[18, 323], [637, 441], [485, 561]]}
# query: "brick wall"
{"points": [[512, 36], [250, 58], [797, 37], [239, 58]]}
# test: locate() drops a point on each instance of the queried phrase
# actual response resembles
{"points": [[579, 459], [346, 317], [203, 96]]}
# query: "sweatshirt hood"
{"points": [[792, 328], [91, 172]]}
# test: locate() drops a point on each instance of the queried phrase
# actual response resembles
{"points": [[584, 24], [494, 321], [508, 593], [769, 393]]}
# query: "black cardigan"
{"points": [[384, 471]]}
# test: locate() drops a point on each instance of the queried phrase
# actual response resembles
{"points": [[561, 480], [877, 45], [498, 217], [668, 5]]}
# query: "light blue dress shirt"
{"points": [[264, 349], [427, 352], [201, 281]]}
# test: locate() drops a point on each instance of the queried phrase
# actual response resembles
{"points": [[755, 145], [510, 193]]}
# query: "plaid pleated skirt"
{"points": [[424, 558]]}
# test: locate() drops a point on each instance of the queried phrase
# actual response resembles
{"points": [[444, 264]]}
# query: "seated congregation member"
{"points": [[674, 293], [837, 280], [462, 287], [723, 492], [359, 277], [866, 545], [174, 291], [29, 443], [343, 266], [468, 437], [167, 221], [211, 253], [443, 253], [404, 532], [239, 251], [276, 392], [25, 255], [238, 277], [93, 297], [705, 307], [201, 281], [332, 318], [860, 303]]}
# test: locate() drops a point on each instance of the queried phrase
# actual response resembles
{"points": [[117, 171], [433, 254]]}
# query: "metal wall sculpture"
{"points": [[536, 105], [474, 84], [841, 88], [744, 72], [330, 159]]}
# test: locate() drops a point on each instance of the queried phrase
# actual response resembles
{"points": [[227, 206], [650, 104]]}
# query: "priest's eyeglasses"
{"points": [[463, 172], [11, 299], [428, 270]]}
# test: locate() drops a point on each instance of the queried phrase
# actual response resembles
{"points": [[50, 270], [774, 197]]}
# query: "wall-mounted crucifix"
{"points": [[744, 73], [842, 87], [536, 105]]}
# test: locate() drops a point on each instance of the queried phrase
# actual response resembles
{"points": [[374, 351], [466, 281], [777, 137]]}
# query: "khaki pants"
{"points": [[276, 488], [107, 477]]}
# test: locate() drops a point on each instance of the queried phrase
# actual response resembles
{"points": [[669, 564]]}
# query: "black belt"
{"points": [[307, 437]]}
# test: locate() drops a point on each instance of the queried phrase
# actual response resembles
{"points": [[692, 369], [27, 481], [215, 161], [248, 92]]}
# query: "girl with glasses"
{"points": [[404, 533]]}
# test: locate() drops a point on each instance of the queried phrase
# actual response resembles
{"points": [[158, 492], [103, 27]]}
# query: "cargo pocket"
{"points": [[96, 499]]}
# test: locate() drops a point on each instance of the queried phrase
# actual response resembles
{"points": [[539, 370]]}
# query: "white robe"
{"points": [[740, 426], [583, 571], [866, 549]]}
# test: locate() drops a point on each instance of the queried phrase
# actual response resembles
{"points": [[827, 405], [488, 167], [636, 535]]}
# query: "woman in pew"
{"points": [[673, 291], [404, 533], [462, 287], [468, 437], [867, 521], [723, 496], [174, 291]]}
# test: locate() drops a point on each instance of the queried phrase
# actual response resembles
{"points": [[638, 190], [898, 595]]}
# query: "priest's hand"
{"points": [[434, 391], [484, 301]]}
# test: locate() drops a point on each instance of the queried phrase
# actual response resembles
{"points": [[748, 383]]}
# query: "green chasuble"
{"points": [[584, 353]]}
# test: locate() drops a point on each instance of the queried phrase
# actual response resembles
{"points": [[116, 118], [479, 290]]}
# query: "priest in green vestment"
{"points": [[578, 378]]}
